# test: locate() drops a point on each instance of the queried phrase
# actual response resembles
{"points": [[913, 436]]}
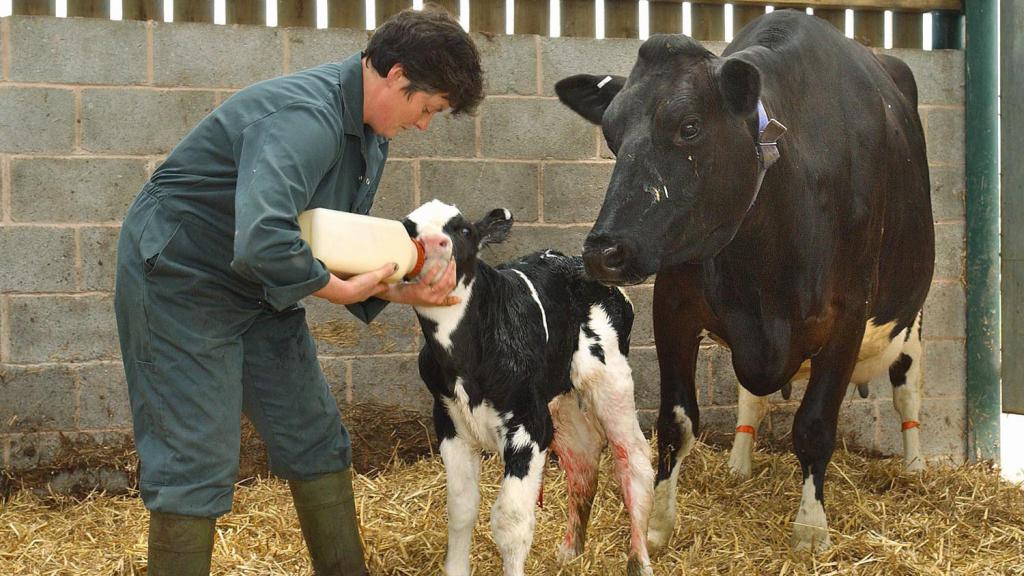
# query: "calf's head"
{"points": [[682, 127], [446, 235]]}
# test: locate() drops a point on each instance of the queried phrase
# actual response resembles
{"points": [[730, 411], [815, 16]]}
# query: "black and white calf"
{"points": [[534, 357]]}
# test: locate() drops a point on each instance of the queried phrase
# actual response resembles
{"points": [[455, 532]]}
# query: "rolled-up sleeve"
{"points": [[281, 160]]}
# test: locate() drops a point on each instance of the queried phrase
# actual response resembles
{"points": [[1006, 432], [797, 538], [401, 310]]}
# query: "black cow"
{"points": [[534, 356], [818, 249]]}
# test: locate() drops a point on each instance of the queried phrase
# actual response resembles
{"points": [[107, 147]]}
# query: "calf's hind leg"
{"points": [[578, 444], [613, 402]]}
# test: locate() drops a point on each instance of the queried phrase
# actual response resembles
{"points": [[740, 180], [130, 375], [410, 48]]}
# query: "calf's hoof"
{"points": [[810, 538], [566, 553], [634, 567], [657, 539]]}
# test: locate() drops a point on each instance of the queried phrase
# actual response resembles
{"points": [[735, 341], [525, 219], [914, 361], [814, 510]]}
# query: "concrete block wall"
{"points": [[88, 108]]}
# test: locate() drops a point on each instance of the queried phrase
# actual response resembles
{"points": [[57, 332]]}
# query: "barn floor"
{"points": [[947, 521]]}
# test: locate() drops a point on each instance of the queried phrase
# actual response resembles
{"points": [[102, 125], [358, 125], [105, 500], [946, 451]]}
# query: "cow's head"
{"points": [[682, 128], [446, 234]]}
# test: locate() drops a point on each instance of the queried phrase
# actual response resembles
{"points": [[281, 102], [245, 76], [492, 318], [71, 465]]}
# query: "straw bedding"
{"points": [[946, 521]]}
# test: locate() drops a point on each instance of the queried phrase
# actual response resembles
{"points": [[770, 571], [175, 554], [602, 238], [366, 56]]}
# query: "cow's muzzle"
{"points": [[606, 262]]}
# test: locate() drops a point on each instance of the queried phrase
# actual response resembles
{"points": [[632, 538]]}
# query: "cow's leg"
{"points": [[677, 337], [814, 430], [462, 468], [613, 403], [513, 516], [752, 409], [906, 377], [578, 444]]}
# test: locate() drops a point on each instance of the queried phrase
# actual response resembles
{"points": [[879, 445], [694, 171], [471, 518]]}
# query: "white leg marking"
{"points": [[578, 444], [663, 518], [513, 516], [907, 400], [810, 531], [608, 387], [462, 467], [752, 409], [536, 298]]}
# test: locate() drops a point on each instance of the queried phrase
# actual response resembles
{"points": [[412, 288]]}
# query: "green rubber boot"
{"points": [[179, 545], [327, 514]]}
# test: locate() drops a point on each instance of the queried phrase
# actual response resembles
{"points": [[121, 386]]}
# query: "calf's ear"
{"points": [[495, 227], [740, 84], [588, 95]]}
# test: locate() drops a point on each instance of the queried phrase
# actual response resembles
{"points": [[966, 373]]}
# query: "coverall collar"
{"points": [[351, 79]]}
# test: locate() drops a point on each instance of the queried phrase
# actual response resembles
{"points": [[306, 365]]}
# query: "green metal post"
{"points": [[982, 164]]}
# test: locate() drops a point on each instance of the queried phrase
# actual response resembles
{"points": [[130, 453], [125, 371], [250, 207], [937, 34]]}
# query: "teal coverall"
{"points": [[210, 270]]}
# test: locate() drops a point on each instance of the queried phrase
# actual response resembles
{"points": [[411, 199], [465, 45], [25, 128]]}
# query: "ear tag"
{"points": [[604, 81]]}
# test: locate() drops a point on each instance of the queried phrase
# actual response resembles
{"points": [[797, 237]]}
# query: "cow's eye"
{"points": [[690, 129]]}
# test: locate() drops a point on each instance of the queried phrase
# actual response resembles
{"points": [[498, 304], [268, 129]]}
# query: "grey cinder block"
{"points": [[99, 257], [210, 55], [103, 397], [573, 192], [74, 189], [62, 329], [37, 259], [394, 198], [447, 135], [939, 74], [950, 250], [509, 63], [140, 121], [309, 47], [562, 57], [945, 311], [36, 120], [80, 50], [479, 187], [36, 399], [527, 238], [949, 191], [944, 134], [533, 128]]}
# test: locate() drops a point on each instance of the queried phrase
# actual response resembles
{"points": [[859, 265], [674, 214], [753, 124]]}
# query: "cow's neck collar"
{"points": [[769, 130]]}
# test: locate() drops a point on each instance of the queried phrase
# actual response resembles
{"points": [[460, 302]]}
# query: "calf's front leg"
{"points": [[462, 469], [513, 516]]}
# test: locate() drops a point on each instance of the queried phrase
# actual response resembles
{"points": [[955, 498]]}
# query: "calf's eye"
{"points": [[465, 231]]}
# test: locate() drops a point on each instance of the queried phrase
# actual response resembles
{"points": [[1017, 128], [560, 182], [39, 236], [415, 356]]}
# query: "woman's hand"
{"points": [[432, 289], [358, 287]]}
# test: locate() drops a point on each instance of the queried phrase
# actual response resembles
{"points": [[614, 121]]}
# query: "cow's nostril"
{"points": [[613, 257], [443, 244]]}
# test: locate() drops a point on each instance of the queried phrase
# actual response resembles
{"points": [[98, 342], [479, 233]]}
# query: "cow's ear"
{"points": [[740, 83], [495, 227], [587, 95]]}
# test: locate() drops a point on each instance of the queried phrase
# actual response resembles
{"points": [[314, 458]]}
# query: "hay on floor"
{"points": [[947, 521]]}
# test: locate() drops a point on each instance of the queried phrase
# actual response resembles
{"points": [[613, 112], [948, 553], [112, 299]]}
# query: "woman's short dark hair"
{"points": [[437, 55]]}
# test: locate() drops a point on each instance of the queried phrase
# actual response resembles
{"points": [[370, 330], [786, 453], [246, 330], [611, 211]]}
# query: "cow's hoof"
{"points": [[739, 465], [810, 538], [914, 465], [634, 567]]}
